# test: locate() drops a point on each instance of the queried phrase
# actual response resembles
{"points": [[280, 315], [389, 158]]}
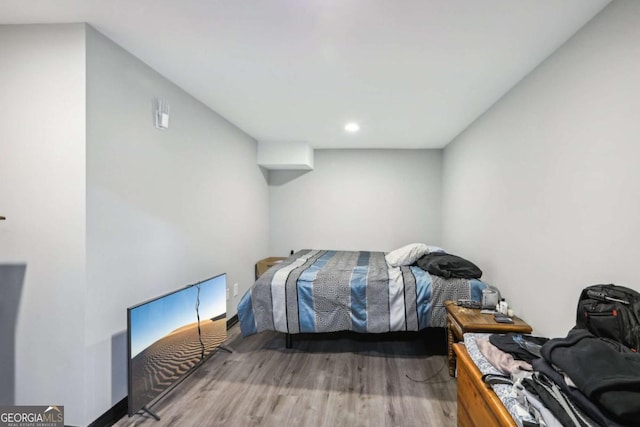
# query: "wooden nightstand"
{"points": [[264, 264], [461, 320]]}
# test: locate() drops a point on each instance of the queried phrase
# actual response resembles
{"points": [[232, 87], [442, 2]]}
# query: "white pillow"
{"points": [[406, 255], [431, 249]]}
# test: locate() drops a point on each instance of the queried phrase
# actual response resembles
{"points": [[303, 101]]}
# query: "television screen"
{"points": [[169, 335]]}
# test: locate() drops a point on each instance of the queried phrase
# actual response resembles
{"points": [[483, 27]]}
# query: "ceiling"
{"points": [[412, 73]]}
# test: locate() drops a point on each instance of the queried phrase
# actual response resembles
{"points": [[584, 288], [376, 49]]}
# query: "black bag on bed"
{"points": [[611, 311], [448, 266]]}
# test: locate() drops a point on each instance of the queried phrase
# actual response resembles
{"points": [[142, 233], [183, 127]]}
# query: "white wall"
{"points": [[543, 190], [106, 211], [42, 194], [164, 208], [357, 200]]}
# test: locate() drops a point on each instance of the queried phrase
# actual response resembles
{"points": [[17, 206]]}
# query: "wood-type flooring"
{"points": [[330, 380]]}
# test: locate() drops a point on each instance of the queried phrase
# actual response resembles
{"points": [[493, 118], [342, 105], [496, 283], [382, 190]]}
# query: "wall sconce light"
{"points": [[161, 114]]}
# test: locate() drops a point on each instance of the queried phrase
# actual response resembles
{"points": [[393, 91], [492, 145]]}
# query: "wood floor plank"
{"points": [[324, 380]]}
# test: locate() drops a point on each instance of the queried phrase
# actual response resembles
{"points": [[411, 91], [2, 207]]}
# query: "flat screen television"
{"points": [[171, 335]]}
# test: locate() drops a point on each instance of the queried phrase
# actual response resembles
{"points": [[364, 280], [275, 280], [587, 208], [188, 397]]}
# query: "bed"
{"points": [[315, 291]]}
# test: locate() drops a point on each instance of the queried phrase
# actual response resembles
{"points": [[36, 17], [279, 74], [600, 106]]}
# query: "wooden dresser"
{"points": [[478, 405]]}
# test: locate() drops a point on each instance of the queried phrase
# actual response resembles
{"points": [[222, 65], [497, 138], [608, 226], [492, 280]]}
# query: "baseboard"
{"points": [[110, 417], [119, 410]]}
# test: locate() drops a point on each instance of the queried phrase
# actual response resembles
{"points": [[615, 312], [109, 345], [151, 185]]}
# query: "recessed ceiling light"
{"points": [[352, 127]]}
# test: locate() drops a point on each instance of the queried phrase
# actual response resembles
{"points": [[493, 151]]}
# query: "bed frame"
{"points": [[478, 405], [288, 340]]}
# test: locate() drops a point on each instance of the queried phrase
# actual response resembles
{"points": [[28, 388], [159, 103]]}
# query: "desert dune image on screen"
{"points": [[164, 337]]}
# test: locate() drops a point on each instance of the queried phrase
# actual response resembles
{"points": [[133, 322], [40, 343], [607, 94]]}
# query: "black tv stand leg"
{"points": [[227, 349], [287, 340], [150, 412]]}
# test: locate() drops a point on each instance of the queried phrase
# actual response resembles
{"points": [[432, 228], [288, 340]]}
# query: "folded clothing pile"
{"points": [[607, 372], [582, 380]]}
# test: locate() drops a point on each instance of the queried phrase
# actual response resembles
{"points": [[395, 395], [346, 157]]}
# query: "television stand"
{"points": [[227, 349], [150, 412]]}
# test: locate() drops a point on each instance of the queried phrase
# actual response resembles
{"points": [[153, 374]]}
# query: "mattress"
{"points": [[329, 291]]}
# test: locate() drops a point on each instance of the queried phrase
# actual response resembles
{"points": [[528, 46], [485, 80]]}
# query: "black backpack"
{"points": [[611, 311]]}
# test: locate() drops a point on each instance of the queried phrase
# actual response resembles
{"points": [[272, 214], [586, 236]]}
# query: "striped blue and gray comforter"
{"points": [[329, 291]]}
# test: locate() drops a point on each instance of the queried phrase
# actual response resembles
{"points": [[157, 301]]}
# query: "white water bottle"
{"points": [[503, 307]]}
